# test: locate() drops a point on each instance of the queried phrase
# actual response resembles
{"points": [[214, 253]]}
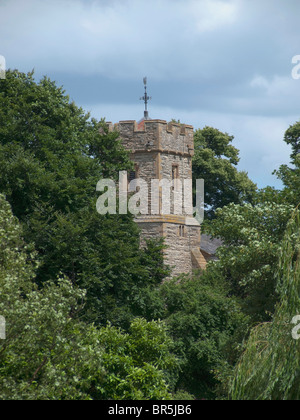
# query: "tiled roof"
{"points": [[209, 244]]}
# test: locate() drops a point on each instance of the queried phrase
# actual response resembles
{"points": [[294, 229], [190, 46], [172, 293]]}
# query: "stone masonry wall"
{"points": [[180, 237]]}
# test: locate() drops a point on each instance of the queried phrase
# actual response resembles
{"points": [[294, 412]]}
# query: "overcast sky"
{"points": [[221, 63]]}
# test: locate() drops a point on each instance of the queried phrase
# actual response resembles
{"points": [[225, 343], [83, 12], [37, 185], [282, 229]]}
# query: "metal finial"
{"points": [[145, 98]]}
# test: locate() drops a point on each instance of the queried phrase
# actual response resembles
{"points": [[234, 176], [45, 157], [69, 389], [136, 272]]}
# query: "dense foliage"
{"points": [[290, 175], [206, 326], [252, 237], [270, 366], [49, 353], [215, 161]]}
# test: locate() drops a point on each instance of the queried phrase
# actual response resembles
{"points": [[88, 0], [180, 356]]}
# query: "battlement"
{"points": [[156, 135]]}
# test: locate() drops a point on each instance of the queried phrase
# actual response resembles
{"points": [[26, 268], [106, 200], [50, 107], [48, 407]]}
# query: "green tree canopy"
{"points": [[49, 354], [269, 368], [215, 161], [205, 325], [290, 176], [252, 238]]}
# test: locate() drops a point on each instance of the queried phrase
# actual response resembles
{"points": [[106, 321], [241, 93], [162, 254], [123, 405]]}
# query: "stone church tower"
{"points": [[163, 152]]}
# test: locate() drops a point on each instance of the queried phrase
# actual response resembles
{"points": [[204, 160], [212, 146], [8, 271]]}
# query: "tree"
{"points": [[51, 152], [37, 357], [206, 326], [291, 175], [215, 161], [139, 364], [269, 368], [252, 238], [252, 234], [49, 354]]}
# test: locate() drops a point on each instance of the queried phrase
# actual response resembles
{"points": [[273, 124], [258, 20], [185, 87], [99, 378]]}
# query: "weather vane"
{"points": [[145, 98]]}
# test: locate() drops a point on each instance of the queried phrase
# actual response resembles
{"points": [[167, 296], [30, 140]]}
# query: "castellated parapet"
{"points": [[157, 135], [164, 151]]}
